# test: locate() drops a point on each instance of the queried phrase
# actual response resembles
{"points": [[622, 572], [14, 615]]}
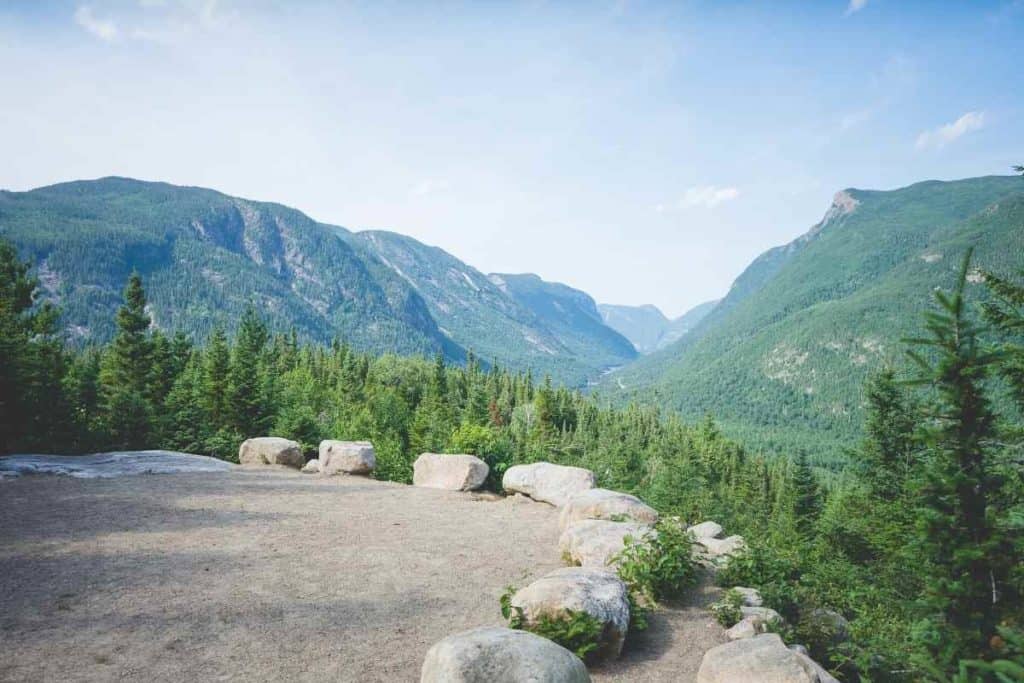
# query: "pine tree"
{"points": [[246, 407], [126, 373], [806, 495], [887, 454], [965, 559], [213, 390]]}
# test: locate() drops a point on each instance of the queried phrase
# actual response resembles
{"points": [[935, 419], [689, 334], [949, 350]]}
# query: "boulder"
{"points": [[547, 482], [594, 542], [747, 627], [500, 655], [761, 659], [349, 457], [311, 467], [271, 450], [751, 596], [823, 675], [831, 625], [451, 472], [716, 548], [598, 592], [605, 504], [706, 530], [766, 615]]}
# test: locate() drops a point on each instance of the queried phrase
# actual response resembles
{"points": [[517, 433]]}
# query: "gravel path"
{"points": [[269, 575]]}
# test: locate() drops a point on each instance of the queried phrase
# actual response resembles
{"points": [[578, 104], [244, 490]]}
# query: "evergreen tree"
{"points": [[964, 556], [213, 392], [806, 495], [126, 372], [887, 454], [245, 399]]}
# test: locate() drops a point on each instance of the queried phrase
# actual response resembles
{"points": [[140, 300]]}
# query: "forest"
{"points": [[918, 542]]}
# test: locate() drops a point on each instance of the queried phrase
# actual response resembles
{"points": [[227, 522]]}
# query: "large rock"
{"points": [[765, 614], [594, 542], [311, 467], [751, 596], [717, 548], [830, 625], [598, 592], [547, 482], [748, 627], [271, 450], [761, 659], [501, 655], [452, 472], [706, 530], [605, 504], [348, 457]]}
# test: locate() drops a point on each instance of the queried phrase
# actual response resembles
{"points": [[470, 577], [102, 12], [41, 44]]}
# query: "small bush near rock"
{"points": [[578, 632], [660, 565], [727, 610]]}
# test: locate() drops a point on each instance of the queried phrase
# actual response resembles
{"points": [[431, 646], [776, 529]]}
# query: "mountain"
{"points": [[646, 326], [571, 315], [782, 359], [205, 256]]}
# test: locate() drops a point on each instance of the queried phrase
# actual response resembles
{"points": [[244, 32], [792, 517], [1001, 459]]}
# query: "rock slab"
{"points": [[500, 655], [457, 472], [761, 659], [597, 592], [706, 530], [347, 457], [547, 482], [271, 450], [595, 542], [605, 504]]}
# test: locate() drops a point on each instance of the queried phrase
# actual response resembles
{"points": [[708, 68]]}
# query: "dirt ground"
{"points": [[270, 575]]}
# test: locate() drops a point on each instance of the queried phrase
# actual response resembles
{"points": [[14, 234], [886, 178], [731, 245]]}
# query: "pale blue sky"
{"points": [[642, 151]]}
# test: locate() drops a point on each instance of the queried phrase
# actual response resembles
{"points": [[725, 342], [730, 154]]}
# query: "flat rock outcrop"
{"points": [[456, 472], [761, 659], [594, 542], [597, 592], [347, 457], [605, 504], [547, 482], [501, 655], [271, 450]]}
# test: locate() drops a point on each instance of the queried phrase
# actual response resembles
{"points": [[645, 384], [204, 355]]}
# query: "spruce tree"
{"points": [[127, 370], [886, 456], [964, 557], [246, 407], [806, 495]]}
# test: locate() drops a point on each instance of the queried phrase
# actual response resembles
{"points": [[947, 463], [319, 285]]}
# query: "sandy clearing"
{"points": [[266, 575]]}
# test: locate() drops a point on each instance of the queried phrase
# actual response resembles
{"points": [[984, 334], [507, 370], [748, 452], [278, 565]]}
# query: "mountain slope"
{"points": [[782, 359], [646, 326], [205, 256], [571, 315]]}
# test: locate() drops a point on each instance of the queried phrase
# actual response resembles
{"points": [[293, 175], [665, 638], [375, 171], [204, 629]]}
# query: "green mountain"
{"points": [[647, 328], [205, 256], [571, 315], [781, 361]]}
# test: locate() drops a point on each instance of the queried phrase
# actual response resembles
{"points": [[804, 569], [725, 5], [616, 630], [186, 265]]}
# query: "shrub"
{"points": [[578, 632], [659, 565], [727, 610]]}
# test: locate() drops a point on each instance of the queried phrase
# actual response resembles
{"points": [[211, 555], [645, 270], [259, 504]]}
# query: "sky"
{"points": [[644, 152]]}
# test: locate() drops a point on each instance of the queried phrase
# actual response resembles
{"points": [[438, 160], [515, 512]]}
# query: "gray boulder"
{"points": [[751, 596], [765, 614], [547, 482], [594, 542], [605, 504], [271, 450], [761, 659], [597, 592], [748, 627], [832, 625], [451, 472], [706, 530], [719, 548], [501, 655], [348, 457], [311, 467]]}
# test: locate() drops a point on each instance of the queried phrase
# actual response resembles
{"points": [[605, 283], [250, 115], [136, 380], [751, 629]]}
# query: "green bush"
{"points": [[578, 632], [727, 610], [658, 565]]}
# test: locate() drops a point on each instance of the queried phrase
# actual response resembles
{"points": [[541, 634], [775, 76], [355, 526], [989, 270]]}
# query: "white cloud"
{"points": [[104, 29], [707, 196], [938, 138], [855, 6]]}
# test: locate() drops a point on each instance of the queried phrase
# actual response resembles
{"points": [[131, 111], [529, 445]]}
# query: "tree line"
{"points": [[918, 542]]}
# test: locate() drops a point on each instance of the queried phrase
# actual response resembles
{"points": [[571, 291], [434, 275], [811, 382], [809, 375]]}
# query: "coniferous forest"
{"points": [[918, 542]]}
